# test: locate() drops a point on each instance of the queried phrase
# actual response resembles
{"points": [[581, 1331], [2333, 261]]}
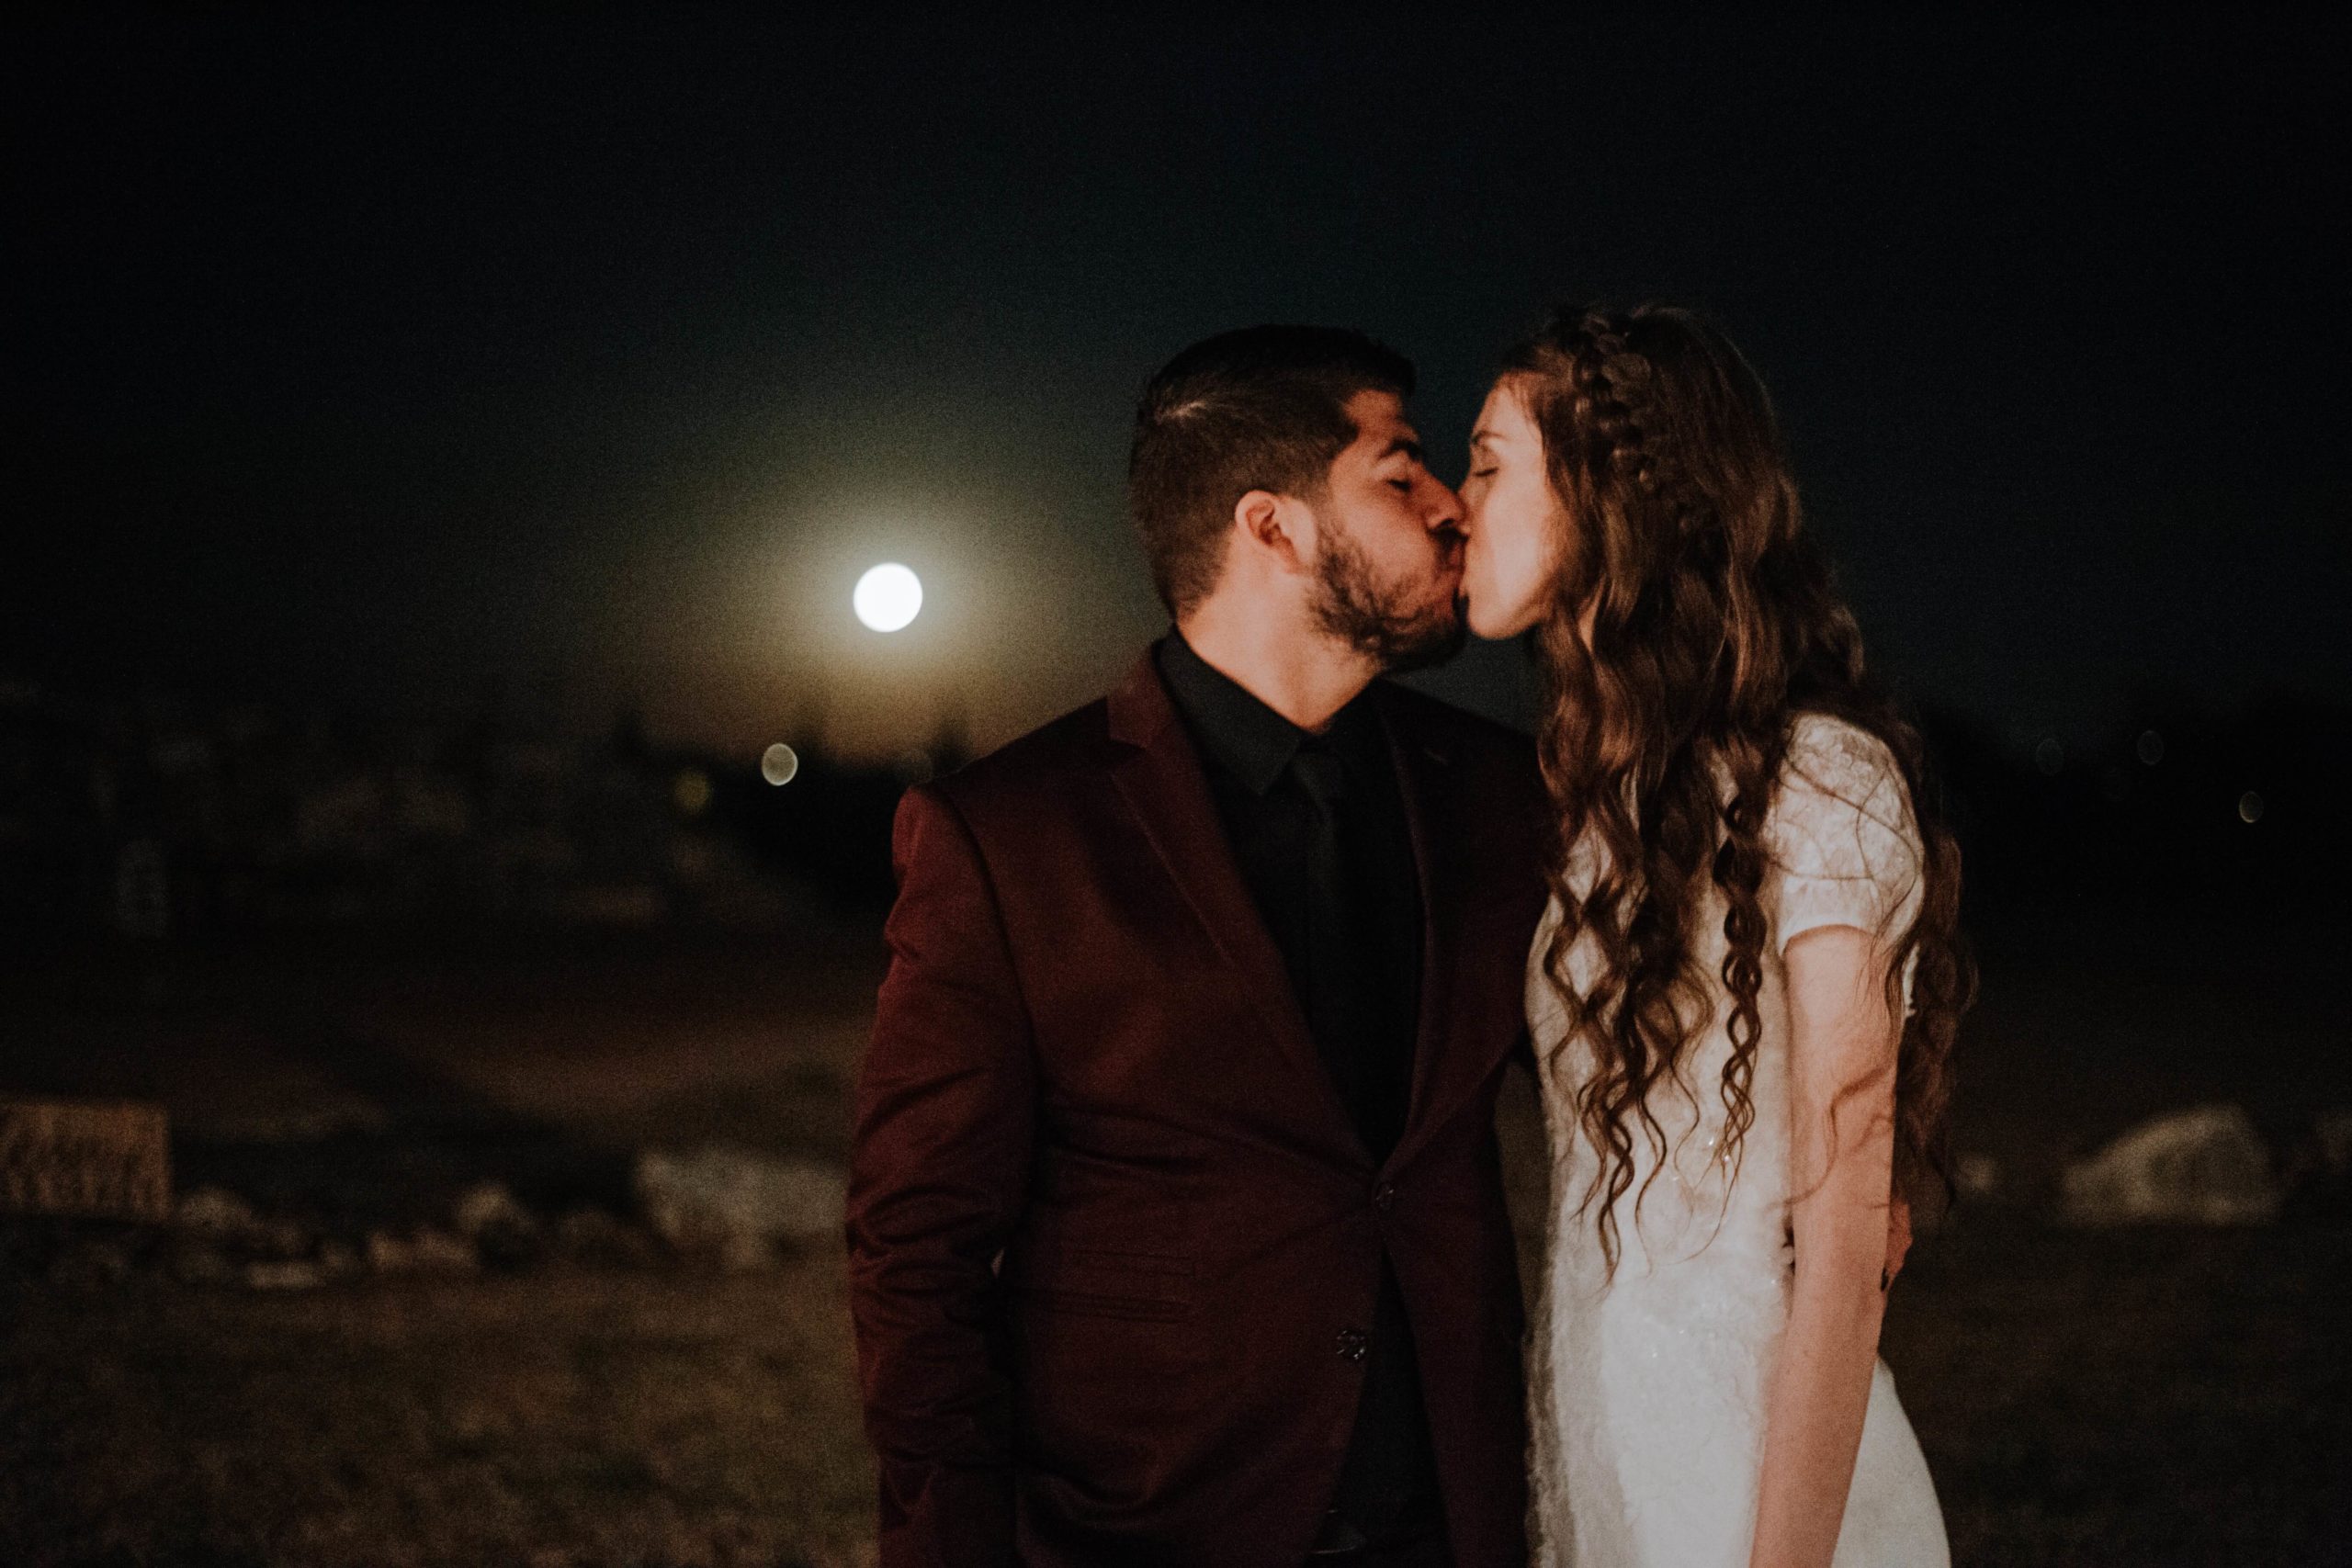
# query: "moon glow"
{"points": [[887, 598]]}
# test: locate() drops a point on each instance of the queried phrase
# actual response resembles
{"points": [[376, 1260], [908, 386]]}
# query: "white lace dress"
{"points": [[1648, 1392]]}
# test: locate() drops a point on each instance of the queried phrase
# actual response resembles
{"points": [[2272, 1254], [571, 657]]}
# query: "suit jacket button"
{"points": [[1384, 1198], [1353, 1344]]}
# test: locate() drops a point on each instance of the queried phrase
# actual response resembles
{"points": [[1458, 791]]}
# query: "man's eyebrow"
{"points": [[1404, 443]]}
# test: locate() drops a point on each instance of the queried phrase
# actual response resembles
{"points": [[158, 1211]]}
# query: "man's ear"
{"points": [[1268, 522]]}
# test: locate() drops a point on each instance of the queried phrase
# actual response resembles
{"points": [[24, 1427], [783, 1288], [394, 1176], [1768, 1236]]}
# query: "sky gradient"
{"points": [[374, 360]]}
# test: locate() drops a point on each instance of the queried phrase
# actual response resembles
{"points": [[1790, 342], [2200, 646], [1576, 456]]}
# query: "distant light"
{"points": [[2151, 749], [779, 763], [2249, 807], [888, 597], [1977, 1176], [691, 792], [2049, 757]]}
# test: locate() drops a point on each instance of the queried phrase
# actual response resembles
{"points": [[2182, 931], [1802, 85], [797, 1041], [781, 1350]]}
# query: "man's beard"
{"points": [[1378, 619]]}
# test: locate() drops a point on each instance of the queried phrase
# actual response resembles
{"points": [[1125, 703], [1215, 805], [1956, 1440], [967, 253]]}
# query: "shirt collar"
{"points": [[1250, 741]]}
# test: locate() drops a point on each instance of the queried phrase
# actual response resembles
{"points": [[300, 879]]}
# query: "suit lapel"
{"points": [[1161, 781]]}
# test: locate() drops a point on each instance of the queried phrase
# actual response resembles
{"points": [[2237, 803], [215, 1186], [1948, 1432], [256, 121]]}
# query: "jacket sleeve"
{"points": [[939, 1165]]}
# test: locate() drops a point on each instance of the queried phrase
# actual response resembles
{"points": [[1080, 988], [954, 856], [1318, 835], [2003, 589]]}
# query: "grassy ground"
{"points": [[592, 1419], [2151, 1398], [2158, 1398]]}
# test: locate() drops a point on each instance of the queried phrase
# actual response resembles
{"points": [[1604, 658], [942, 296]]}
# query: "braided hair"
{"points": [[1691, 621]]}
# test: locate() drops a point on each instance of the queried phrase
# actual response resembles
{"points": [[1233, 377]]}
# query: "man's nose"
{"points": [[1444, 507]]}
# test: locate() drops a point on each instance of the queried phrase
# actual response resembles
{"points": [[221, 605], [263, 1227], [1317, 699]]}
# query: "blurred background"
{"points": [[449, 723]]}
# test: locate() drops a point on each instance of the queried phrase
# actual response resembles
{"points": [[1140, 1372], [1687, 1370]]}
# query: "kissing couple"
{"points": [[1176, 1220]]}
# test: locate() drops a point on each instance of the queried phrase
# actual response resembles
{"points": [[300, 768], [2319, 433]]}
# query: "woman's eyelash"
{"points": [[1481, 473]]}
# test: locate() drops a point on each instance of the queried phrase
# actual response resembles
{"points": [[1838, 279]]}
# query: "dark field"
{"points": [[2140, 1396]]}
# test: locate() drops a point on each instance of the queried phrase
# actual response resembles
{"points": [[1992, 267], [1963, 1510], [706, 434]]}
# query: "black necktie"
{"points": [[1342, 968], [1389, 1470], [1332, 1002]]}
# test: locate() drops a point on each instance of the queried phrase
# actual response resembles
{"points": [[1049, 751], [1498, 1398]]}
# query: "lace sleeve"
{"points": [[1844, 847]]}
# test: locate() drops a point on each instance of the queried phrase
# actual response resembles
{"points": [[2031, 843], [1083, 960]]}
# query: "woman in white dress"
{"points": [[1744, 995]]}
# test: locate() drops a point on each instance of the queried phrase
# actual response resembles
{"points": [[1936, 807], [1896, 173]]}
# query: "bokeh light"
{"points": [[2250, 808], [779, 763], [887, 598]]}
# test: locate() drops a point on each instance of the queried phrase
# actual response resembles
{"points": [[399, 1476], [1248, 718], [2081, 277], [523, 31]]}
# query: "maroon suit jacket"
{"points": [[1112, 1238]]}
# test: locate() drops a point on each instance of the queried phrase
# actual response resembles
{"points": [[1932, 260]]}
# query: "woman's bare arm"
{"points": [[1842, 1102]]}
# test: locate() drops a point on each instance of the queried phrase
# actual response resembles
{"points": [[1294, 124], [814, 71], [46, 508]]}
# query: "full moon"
{"points": [[888, 597]]}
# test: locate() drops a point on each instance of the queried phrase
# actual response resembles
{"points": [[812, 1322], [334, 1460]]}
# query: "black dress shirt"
{"points": [[1351, 942]]}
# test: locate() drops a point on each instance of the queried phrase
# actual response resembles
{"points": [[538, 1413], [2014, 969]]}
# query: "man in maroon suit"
{"points": [[1176, 1220]]}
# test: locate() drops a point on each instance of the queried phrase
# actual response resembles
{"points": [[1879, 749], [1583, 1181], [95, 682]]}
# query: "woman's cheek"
{"points": [[1540, 537], [1510, 564]]}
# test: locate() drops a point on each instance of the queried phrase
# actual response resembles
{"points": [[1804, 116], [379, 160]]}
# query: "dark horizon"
{"points": [[372, 360]]}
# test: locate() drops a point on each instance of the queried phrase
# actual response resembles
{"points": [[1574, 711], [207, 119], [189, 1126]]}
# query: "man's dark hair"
{"points": [[1264, 408]]}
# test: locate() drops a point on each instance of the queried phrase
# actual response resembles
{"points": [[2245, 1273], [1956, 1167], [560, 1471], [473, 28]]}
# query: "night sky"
{"points": [[361, 359]]}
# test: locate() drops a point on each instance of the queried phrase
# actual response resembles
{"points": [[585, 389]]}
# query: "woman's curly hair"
{"points": [[1691, 621]]}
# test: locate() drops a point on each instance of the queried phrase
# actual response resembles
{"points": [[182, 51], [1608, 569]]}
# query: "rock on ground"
{"points": [[218, 1219], [2205, 1165], [500, 1230], [736, 1203]]}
